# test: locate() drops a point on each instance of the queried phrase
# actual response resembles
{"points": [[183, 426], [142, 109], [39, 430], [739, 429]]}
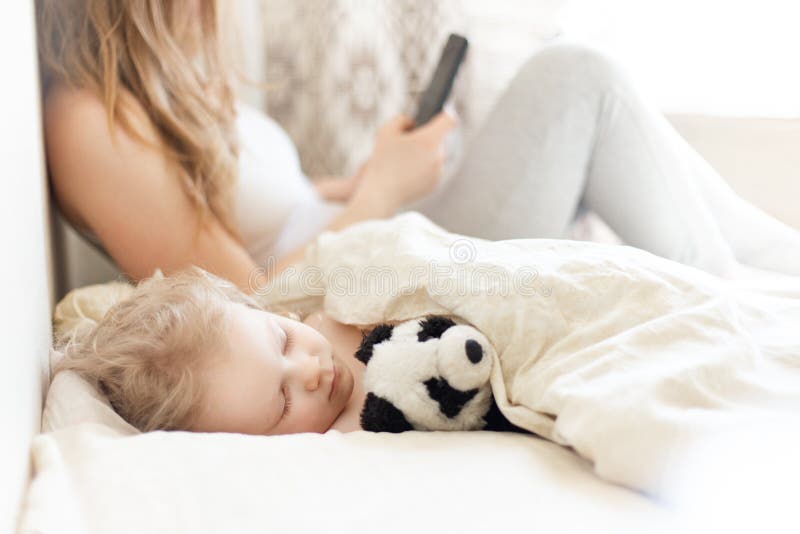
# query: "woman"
{"points": [[149, 154]]}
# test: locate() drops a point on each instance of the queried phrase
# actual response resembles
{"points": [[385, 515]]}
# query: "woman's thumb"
{"points": [[398, 123]]}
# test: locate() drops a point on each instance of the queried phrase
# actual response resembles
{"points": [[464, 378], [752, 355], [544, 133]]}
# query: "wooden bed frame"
{"points": [[26, 269]]}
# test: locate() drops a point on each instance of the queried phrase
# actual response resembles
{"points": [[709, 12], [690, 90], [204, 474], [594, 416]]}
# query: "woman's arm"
{"points": [[403, 166], [338, 188], [129, 195], [359, 208]]}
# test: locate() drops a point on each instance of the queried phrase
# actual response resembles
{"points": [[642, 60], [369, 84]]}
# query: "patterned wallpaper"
{"points": [[339, 68]]}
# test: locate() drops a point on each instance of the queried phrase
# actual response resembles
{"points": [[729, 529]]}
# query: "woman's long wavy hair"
{"points": [[169, 55]]}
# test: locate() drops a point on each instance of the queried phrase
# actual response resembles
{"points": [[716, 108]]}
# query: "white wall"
{"points": [[503, 33], [713, 57], [759, 157], [721, 70], [25, 275]]}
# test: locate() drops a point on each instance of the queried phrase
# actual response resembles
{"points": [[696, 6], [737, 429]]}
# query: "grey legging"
{"points": [[571, 130]]}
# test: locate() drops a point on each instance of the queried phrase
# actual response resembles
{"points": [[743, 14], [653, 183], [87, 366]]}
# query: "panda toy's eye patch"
{"points": [[377, 335], [433, 327], [451, 401]]}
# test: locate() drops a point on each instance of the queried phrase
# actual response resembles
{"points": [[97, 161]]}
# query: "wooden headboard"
{"points": [[26, 268]]}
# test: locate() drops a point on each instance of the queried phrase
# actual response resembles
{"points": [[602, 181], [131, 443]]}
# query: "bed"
{"points": [[95, 473], [92, 473]]}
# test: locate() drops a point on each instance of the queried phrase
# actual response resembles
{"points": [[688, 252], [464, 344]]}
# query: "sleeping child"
{"points": [[192, 352]]}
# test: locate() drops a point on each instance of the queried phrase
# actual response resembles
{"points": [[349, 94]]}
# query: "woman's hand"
{"points": [[338, 189], [404, 165]]}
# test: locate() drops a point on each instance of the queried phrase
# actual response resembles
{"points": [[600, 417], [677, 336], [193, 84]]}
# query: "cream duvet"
{"points": [[623, 356]]}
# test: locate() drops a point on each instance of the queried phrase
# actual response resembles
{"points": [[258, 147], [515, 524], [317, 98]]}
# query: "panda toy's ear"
{"points": [[378, 334], [380, 415], [433, 326]]}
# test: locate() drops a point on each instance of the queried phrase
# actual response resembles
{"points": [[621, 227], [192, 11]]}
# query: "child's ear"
{"points": [[378, 334]]}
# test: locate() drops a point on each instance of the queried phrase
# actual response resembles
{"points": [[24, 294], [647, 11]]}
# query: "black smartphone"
{"points": [[438, 90]]}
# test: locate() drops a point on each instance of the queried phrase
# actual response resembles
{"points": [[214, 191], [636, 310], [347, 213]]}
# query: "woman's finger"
{"points": [[361, 168], [438, 126], [398, 123]]}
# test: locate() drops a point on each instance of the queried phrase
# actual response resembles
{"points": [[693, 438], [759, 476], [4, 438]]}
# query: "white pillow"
{"points": [[71, 400]]}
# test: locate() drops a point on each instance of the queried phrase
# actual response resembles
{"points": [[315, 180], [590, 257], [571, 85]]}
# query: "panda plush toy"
{"points": [[429, 374]]}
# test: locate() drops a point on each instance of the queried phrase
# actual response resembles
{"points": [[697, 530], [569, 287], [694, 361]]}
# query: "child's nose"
{"points": [[310, 372]]}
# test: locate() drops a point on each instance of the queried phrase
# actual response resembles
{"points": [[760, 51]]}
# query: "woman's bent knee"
{"points": [[578, 63]]}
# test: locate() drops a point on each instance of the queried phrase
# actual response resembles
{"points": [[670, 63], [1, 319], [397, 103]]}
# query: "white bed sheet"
{"points": [[92, 478]]}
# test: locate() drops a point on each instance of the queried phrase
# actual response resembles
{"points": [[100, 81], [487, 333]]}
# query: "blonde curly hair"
{"points": [[147, 352]]}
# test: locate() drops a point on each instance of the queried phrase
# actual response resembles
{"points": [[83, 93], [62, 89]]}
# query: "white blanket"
{"points": [[622, 355]]}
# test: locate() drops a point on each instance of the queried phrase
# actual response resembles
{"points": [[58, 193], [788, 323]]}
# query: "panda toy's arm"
{"points": [[497, 422], [380, 415]]}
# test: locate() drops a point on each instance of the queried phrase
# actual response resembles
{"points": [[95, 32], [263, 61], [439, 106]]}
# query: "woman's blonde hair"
{"points": [[173, 59], [148, 352]]}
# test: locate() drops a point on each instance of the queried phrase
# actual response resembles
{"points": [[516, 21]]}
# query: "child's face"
{"points": [[262, 386]]}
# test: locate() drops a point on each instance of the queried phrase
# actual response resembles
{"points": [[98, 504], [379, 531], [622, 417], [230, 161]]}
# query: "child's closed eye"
{"points": [[287, 402], [289, 339]]}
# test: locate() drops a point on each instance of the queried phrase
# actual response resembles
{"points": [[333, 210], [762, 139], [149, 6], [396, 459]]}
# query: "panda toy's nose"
{"points": [[474, 350]]}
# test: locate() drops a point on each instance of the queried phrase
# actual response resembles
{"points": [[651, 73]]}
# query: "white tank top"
{"points": [[277, 209]]}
